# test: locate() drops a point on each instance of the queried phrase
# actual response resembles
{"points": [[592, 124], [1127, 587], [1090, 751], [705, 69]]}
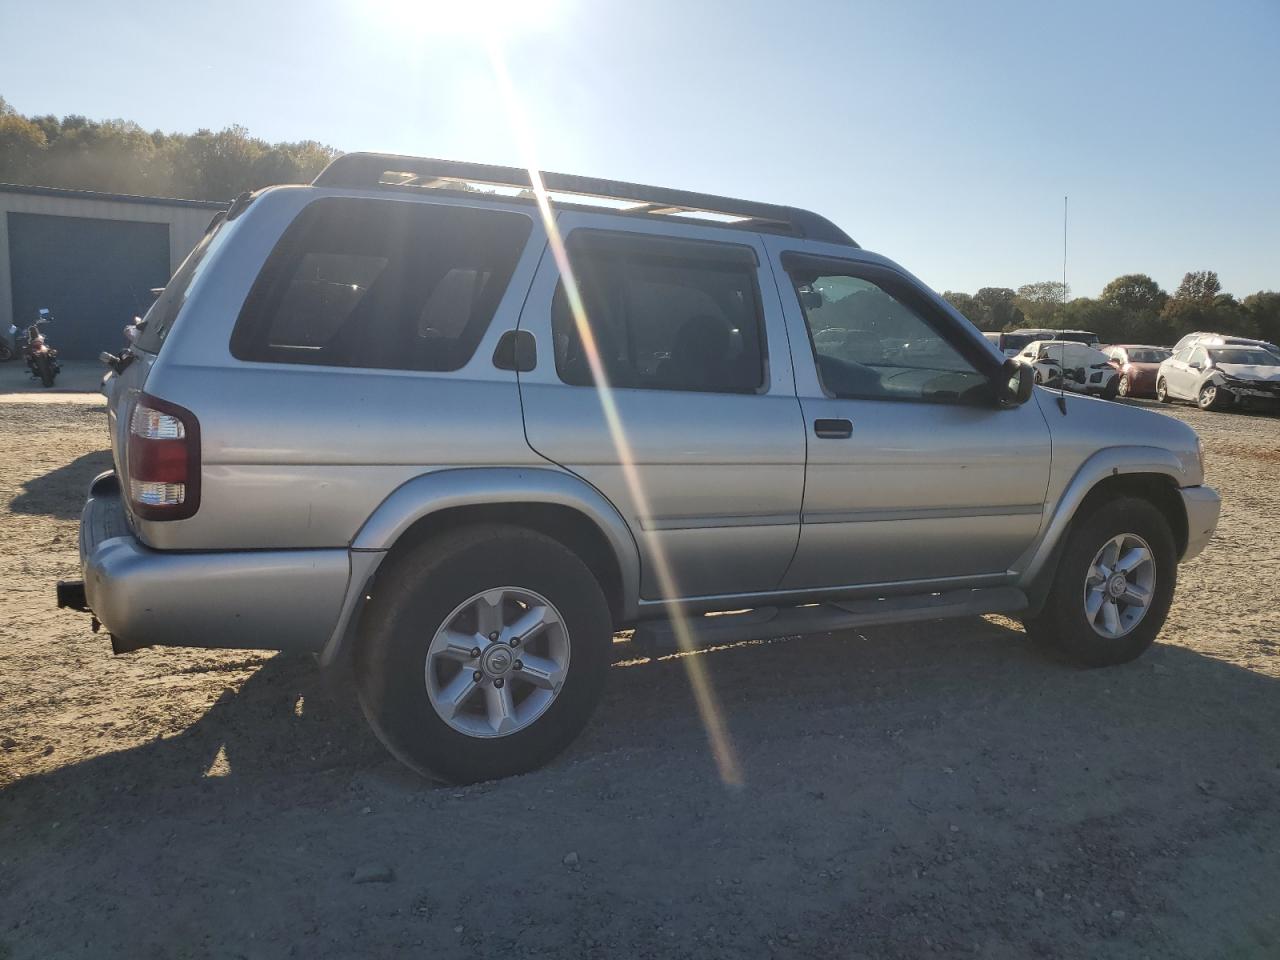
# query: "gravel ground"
{"points": [[938, 790]]}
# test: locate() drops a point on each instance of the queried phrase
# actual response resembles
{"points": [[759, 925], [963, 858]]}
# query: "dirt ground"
{"points": [[938, 790]]}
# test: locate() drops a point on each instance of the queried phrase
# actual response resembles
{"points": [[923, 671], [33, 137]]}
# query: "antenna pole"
{"points": [[1062, 324]]}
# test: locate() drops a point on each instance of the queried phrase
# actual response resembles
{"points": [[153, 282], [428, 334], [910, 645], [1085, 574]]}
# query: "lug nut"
{"points": [[494, 635], [475, 651], [517, 665], [515, 641], [478, 676], [498, 683]]}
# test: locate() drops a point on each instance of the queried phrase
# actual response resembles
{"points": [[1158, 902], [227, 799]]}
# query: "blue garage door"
{"points": [[94, 275]]}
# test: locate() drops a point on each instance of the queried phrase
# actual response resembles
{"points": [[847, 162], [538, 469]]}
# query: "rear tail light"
{"points": [[163, 460]]}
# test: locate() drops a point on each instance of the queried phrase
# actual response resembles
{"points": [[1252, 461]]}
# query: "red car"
{"points": [[1137, 364]]}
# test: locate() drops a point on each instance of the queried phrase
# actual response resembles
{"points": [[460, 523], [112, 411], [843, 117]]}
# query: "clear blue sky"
{"points": [[943, 134]]}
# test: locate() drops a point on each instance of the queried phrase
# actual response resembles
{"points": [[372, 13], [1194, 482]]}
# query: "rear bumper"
{"points": [[1203, 506], [244, 599]]}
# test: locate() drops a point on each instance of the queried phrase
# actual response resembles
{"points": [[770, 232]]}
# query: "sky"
{"points": [[941, 134]]}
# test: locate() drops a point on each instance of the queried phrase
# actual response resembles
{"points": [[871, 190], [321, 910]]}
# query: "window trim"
{"points": [[972, 349], [724, 251]]}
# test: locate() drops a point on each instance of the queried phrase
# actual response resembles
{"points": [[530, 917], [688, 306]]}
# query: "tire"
{"points": [[1209, 397], [1162, 391], [1065, 625], [1110, 390], [397, 659], [6, 352], [45, 368], [1122, 389]]}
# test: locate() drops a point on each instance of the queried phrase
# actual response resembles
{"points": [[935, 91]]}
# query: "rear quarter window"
{"points": [[381, 284]]}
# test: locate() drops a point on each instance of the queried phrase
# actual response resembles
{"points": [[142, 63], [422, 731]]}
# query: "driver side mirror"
{"points": [[1195, 365], [1014, 384]]}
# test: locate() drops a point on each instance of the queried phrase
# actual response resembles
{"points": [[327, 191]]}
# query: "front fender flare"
{"points": [[1109, 462], [480, 486]]}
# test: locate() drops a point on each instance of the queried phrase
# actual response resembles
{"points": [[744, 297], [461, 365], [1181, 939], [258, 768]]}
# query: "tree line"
{"points": [[1131, 309], [119, 156]]}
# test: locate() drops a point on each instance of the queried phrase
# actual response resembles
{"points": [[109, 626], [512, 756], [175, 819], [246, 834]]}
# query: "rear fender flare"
{"points": [[479, 486]]}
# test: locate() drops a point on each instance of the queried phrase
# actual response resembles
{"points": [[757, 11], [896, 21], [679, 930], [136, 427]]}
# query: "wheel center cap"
{"points": [[497, 660], [1117, 585]]}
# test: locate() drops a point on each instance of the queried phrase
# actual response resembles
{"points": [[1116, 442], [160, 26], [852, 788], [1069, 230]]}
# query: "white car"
{"points": [[1217, 377], [1075, 366]]}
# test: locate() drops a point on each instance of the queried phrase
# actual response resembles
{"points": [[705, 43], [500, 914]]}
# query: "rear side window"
{"points": [[664, 314], [381, 284], [159, 319]]}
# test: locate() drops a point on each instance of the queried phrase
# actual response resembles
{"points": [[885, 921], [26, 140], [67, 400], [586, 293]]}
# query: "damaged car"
{"points": [[1216, 378]]}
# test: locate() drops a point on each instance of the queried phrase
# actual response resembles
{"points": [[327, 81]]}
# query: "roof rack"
{"points": [[374, 171]]}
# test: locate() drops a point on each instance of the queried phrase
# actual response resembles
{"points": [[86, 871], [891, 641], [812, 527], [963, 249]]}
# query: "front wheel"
{"points": [[1162, 391], [1209, 397], [1113, 587], [44, 367], [1123, 387], [1110, 390], [484, 653]]}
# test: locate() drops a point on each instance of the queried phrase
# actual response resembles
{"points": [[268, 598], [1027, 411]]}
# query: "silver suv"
{"points": [[423, 420]]}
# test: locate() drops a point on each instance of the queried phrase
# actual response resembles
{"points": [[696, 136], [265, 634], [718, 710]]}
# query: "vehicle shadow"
{"points": [[956, 750], [60, 492]]}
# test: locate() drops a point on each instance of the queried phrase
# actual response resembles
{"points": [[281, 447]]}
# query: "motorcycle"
{"points": [[40, 358]]}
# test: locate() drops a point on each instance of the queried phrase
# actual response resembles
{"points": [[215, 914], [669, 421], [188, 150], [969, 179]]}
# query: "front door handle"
{"points": [[836, 429]]}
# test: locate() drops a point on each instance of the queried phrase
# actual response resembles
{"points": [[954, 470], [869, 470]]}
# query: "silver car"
{"points": [[457, 439]]}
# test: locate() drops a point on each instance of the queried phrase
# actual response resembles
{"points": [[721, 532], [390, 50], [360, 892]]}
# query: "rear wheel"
{"points": [[44, 366], [484, 653], [6, 352], [1113, 587], [1162, 391]]}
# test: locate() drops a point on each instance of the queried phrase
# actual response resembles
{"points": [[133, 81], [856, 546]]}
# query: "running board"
{"points": [[766, 623]]}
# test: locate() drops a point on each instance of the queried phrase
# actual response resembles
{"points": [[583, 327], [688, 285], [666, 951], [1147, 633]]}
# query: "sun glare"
{"points": [[505, 18]]}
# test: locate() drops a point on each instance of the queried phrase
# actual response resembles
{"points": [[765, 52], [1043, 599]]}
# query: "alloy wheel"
{"points": [[497, 662], [1119, 585]]}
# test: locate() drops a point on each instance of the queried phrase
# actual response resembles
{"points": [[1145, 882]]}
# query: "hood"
{"points": [[1250, 371]]}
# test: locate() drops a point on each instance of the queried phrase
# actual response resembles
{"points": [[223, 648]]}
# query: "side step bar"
{"points": [[766, 623]]}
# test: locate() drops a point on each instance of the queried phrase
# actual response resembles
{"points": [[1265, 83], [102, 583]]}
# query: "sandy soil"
{"points": [[943, 790]]}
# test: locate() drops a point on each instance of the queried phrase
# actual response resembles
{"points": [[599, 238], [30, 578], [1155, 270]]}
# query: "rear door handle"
{"points": [[836, 429]]}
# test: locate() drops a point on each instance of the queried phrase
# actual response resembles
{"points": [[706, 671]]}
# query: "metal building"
{"points": [[91, 258]]}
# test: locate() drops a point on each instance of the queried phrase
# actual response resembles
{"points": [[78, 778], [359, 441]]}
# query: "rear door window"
{"points": [[663, 314], [381, 284]]}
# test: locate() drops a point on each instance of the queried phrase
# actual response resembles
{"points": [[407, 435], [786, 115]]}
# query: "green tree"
{"points": [[1199, 285], [1042, 303], [968, 307], [1263, 310], [1000, 308]]}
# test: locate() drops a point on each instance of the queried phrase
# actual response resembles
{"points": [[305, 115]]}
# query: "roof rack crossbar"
{"points": [[367, 171]]}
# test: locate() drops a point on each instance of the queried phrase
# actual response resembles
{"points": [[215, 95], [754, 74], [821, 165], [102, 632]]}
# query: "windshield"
{"points": [[1147, 354], [1244, 355]]}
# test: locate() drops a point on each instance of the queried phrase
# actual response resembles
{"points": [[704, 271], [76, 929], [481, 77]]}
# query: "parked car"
{"points": [[1137, 364], [1073, 366], [1224, 340], [1216, 377], [1015, 341], [371, 419]]}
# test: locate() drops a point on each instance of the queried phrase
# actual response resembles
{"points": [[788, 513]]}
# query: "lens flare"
{"points": [[704, 694]]}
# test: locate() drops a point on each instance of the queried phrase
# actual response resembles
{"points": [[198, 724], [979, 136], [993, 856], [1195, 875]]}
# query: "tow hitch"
{"points": [[71, 594]]}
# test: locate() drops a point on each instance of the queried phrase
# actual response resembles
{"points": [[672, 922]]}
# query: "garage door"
{"points": [[94, 275]]}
